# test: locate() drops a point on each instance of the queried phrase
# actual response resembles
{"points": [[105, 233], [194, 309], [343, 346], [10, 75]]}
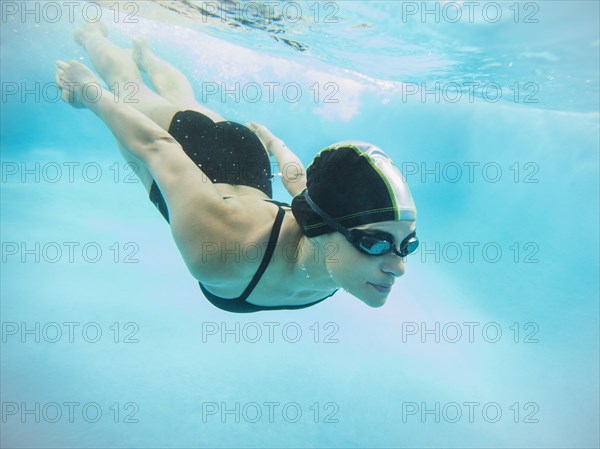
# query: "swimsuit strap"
{"points": [[278, 203], [267, 257]]}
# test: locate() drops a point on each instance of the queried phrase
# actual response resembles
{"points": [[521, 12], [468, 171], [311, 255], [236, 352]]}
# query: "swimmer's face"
{"points": [[369, 278]]}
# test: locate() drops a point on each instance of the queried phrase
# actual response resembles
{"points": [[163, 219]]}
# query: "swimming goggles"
{"points": [[373, 243]]}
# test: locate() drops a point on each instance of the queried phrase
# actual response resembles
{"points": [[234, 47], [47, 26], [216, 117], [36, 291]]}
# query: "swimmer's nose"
{"points": [[393, 265]]}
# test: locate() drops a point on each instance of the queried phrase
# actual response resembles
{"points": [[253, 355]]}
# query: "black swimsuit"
{"points": [[230, 153]]}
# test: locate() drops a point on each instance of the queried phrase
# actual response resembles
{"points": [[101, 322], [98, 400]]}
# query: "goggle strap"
{"points": [[328, 219]]}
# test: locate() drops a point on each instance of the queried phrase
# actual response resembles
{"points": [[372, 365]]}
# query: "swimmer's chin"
{"points": [[374, 303]]}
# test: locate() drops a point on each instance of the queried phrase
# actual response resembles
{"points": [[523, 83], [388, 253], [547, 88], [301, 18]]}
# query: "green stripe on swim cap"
{"points": [[397, 185]]}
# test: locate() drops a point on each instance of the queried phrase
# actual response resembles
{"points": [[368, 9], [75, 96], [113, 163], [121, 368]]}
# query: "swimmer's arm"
{"points": [[291, 167], [292, 170]]}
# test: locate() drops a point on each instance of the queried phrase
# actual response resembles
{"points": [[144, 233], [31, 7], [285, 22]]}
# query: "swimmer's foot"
{"points": [[141, 54], [73, 78], [89, 30]]}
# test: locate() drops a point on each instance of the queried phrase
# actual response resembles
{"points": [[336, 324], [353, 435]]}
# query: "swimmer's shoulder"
{"points": [[244, 238]]}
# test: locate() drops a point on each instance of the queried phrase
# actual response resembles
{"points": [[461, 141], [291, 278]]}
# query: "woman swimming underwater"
{"points": [[351, 223]]}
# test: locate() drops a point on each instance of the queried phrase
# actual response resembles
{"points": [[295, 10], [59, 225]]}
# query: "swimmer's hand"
{"points": [[266, 137], [73, 78], [293, 172]]}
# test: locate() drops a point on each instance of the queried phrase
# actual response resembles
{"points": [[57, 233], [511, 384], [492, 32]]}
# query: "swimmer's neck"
{"points": [[311, 266]]}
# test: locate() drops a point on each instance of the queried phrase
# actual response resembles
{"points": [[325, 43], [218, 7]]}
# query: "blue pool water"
{"points": [[491, 338]]}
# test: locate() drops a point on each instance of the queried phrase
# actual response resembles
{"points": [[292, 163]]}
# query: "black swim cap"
{"points": [[357, 184]]}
